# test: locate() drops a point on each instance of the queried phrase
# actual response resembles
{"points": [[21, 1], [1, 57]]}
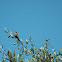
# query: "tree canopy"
{"points": [[44, 54]]}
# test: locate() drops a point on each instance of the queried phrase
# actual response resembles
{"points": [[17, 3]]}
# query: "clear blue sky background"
{"points": [[40, 18]]}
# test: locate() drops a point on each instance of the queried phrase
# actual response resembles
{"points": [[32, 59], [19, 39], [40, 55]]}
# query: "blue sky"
{"points": [[39, 18]]}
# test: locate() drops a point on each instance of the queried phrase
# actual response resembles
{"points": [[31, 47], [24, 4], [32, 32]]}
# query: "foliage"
{"points": [[43, 54]]}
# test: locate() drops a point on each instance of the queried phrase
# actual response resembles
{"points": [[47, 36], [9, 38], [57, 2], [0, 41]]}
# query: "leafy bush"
{"points": [[43, 54]]}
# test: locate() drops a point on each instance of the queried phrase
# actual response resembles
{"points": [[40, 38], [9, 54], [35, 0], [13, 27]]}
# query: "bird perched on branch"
{"points": [[16, 35]]}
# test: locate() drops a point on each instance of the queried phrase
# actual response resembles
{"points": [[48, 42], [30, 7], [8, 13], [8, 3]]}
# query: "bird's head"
{"points": [[15, 31]]}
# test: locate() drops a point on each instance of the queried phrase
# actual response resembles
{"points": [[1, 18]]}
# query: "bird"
{"points": [[16, 35]]}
